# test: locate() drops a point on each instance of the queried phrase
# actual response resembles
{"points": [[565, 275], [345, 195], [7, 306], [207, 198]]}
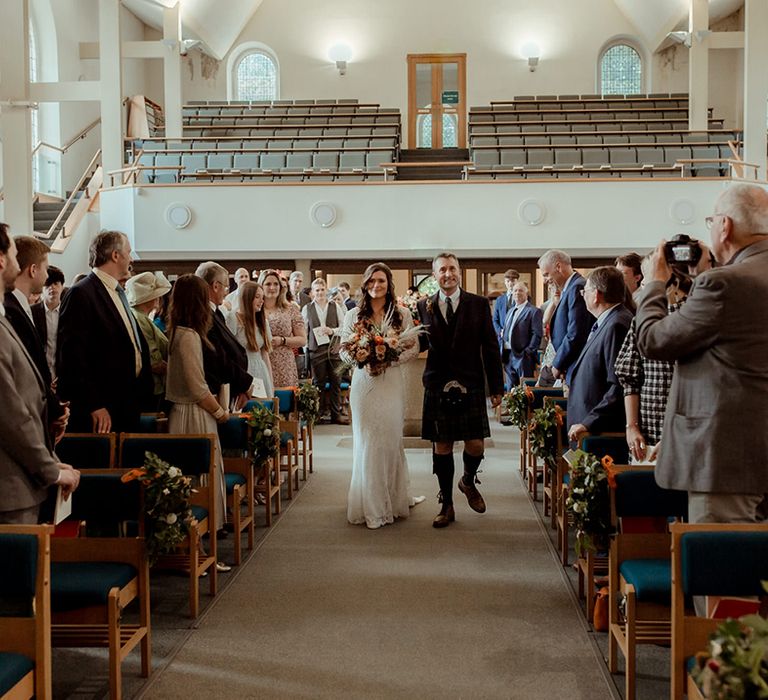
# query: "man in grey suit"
{"points": [[714, 440], [28, 465]]}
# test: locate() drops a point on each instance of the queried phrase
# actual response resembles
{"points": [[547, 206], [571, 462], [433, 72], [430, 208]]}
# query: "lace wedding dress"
{"points": [[379, 490]]}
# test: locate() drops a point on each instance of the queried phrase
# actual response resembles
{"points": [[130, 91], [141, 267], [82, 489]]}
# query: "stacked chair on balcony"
{"points": [[25, 612], [639, 569]]}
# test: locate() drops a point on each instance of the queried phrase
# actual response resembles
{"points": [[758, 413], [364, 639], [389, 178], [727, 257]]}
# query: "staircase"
{"points": [[45, 213], [432, 155]]}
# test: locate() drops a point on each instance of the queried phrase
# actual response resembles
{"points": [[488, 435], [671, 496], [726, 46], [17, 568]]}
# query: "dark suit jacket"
{"points": [[38, 317], [596, 398], [226, 362], [714, 438], [27, 463], [35, 346], [467, 353], [500, 309], [570, 325], [350, 303], [526, 338], [96, 363]]}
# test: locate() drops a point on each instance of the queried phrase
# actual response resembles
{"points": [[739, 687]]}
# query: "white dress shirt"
{"points": [[454, 301], [515, 310], [22, 299], [52, 330]]}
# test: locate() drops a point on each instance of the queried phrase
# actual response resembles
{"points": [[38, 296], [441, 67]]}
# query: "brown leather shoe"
{"points": [[445, 517], [474, 498]]}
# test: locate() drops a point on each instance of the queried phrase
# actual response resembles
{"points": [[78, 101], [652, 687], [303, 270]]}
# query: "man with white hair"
{"points": [[296, 286], [714, 442], [570, 325], [232, 300]]}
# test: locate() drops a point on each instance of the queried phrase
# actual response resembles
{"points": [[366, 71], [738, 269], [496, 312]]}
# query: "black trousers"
{"points": [[326, 369]]}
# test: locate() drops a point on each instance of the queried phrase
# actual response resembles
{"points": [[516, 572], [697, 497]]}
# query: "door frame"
{"points": [[413, 59]]}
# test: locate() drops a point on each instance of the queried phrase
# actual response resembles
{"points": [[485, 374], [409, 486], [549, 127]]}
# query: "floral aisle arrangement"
{"points": [[516, 403], [308, 402], [265, 435], [376, 348], [588, 499], [736, 666], [542, 433], [167, 513]]}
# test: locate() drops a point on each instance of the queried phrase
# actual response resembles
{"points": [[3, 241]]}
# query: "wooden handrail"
{"points": [[63, 149], [86, 174]]}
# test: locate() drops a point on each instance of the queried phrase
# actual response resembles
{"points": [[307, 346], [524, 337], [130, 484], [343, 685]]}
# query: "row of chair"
{"points": [[299, 111], [226, 103], [564, 98], [566, 128], [271, 144], [309, 120], [585, 102], [483, 140], [569, 115], [604, 172]]}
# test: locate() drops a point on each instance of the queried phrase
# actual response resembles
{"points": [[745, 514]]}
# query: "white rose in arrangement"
{"points": [[173, 472], [166, 492], [267, 432], [171, 518], [363, 341]]}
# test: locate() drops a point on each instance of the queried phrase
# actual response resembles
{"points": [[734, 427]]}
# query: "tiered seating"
{"points": [[280, 141], [577, 137]]}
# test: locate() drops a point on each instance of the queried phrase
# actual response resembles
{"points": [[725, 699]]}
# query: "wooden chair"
{"points": [[153, 422], [710, 559], [592, 565], [238, 479], [194, 455], [88, 450], [268, 483], [289, 438], [533, 469], [93, 579], [529, 382], [25, 612], [552, 484], [639, 570]]}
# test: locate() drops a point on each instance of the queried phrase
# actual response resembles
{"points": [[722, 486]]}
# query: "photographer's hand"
{"points": [[661, 270]]}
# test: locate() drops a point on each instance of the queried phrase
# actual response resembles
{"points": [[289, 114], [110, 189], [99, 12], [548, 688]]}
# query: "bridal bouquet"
{"points": [[376, 347]]}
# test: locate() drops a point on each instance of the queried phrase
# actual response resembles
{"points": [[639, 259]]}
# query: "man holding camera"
{"points": [[715, 443]]}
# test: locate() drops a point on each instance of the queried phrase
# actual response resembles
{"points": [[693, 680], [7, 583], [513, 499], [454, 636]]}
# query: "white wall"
{"points": [[406, 220]]}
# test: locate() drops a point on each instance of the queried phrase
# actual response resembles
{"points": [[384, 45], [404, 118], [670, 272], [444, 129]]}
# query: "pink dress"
{"points": [[286, 323]]}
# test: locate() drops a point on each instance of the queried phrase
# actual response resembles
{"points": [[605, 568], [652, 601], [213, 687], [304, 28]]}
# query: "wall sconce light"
{"points": [[340, 54], [531, 52], [686, 38]]}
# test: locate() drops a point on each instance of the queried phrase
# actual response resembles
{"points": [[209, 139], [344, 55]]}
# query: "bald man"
{"points": [[714, 442]]}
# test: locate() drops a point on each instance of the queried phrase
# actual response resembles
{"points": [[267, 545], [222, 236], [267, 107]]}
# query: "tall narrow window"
{"points": [[621, 71], [256, 77], [35, 125]]}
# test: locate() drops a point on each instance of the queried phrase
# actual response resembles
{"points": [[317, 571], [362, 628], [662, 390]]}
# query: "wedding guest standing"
{"points": [[463, 357], [287, 327], [249, 325], [195, 409], [521, 336], [46, 315], [144, 292]]}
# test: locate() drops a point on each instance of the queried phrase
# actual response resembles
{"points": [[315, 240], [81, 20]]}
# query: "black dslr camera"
{"points": [[682, 250]]}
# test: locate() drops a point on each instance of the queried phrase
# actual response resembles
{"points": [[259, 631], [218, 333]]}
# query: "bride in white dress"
{"points": [[379, 490]]}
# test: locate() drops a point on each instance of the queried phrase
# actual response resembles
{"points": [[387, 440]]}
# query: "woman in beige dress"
{"points": [[195, 409], [287, 327]]}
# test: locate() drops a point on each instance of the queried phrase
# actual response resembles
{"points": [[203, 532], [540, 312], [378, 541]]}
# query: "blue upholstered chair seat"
{"points": [[344, 385], [80, 584], [13, 667], [233, 480], [567, 478], [652, 579], [199, 513]]}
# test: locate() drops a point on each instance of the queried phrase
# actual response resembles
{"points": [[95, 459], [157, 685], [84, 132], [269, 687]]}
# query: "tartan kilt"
{"points": [[441, 425]]}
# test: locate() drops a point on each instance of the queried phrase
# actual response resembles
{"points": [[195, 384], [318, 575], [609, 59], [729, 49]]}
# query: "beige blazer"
{"points": [[27, 465], [715, 435]]}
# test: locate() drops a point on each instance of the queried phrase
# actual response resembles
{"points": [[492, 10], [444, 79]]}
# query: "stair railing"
{"points": [[63, 149], [88, 174]]}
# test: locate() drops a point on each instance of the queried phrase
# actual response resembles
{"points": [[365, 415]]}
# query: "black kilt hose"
{"points": [[441, 423], [465, 352]]}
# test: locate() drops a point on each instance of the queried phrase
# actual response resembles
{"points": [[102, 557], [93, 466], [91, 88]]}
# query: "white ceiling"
{"points": [[218, 29]]}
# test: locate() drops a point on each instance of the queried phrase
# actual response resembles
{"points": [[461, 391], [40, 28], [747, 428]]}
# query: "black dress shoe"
{"points": [[474, 498], [445, 517]]}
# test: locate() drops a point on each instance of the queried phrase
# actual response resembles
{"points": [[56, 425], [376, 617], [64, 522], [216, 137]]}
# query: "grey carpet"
{"points": [[329, 610]]}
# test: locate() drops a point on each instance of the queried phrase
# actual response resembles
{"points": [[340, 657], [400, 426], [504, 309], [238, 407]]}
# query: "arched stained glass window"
{"points": [[256, 77], [621, 71]]}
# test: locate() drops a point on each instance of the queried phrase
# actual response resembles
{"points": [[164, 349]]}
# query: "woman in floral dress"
{"points": [[287, 327]]}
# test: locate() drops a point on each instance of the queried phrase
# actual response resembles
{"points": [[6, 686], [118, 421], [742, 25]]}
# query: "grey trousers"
{"points": [[724, 507], [25, 516]]}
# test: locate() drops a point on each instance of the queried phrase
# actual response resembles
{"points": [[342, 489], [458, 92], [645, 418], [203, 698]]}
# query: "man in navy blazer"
{"points": [[503, 304], [571, 322], [103, 360], [596, 399], [521, 336]]}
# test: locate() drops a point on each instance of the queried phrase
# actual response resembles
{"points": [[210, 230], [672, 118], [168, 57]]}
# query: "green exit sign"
{"points": [[450, 97]]}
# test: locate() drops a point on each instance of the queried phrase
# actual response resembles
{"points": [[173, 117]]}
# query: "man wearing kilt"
{"points": [[463, 355]]}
